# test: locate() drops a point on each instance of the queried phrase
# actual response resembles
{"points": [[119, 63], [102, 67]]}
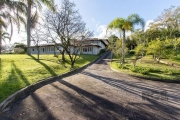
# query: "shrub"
{"points": [[140, 70], [19, 50], [122, 66], [131, 52], [102, 51], [154, 70]]}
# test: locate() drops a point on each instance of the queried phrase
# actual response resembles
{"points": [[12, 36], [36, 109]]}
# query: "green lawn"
{"points": [[148, 68], [19, 71]]}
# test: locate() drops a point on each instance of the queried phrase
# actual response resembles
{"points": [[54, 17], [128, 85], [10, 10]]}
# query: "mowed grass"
{"points": [[149, 68], [19, 71]]}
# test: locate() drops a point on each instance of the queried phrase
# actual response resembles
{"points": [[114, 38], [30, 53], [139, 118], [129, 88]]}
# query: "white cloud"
{"points": [[101, 30], [95, 22], [147, 25]]}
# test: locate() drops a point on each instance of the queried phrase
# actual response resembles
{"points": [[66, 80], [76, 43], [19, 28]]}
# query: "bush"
{"points": [[19, 51], [172, 72], [140, 70], [154, 70], [102, 51], [131, 52], [122, 66], [20, 48]]}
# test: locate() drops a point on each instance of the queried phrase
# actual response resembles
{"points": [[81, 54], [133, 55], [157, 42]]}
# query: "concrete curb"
{"points": [[152, 79], [5, 105]]}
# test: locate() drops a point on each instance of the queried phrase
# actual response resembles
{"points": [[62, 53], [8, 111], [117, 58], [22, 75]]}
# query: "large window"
{"points": [[87, 49]]}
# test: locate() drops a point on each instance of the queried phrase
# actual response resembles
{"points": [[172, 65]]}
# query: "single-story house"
{"points": [[88, 46]]}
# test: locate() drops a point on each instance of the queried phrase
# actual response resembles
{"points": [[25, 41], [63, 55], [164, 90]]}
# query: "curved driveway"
{"points": [[97, 93]]}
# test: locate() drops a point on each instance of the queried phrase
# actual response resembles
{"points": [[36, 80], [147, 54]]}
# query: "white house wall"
{"points": [[95, 50], [102, 46], [45, 50], [50, 49]]}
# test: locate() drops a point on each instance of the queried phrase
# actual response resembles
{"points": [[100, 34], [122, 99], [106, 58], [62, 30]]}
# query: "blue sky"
{"points": [[98, 13]]}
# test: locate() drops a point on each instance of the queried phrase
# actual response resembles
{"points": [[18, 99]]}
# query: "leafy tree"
{"points": [[157, 48], [130, 43], [172, 47], [112, 42], [152, 34], [162, 34], [176, 45], [117, 50], [140, 50], [124, 25]]}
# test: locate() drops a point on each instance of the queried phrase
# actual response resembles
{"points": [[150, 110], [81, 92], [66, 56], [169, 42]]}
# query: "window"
{"points": [[33, 49], [85, 49], [90, 49], [52, 48]]}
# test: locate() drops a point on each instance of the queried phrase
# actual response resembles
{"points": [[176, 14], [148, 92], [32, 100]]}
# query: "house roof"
{"points": [[104, 41], [44, 45], [97, 39], [91, 45]]}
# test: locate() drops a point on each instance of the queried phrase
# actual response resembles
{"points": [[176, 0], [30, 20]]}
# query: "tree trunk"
{"points": [[38, 52], [28, 29], [0, 38], [63, 55], [72, 64], [123, 42], [54, 51]]}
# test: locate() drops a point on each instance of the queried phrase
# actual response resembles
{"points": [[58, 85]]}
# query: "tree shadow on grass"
{"points": [[45, 66], [13, 82], [0, 68]]}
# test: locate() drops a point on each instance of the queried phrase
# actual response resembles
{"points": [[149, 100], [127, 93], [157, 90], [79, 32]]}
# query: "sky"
{"points": [[97, 14]]}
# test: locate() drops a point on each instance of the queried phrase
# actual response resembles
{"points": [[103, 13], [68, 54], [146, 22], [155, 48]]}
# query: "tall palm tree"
{"points": [[32, 17], [124, 25], [9, 14]]}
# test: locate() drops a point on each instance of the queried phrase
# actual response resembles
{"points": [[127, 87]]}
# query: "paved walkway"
{"points": [[97, 93]]}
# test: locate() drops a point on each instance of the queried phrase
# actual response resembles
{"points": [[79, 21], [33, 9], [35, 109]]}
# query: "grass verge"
{"points": [[147, 67], [19, 71]]}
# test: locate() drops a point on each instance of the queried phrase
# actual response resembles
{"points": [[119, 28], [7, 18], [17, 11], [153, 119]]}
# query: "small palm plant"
{"points": [[124, 25]]}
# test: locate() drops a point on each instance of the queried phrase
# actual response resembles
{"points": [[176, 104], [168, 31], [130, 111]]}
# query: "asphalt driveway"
{"points": [[98, 93]]}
